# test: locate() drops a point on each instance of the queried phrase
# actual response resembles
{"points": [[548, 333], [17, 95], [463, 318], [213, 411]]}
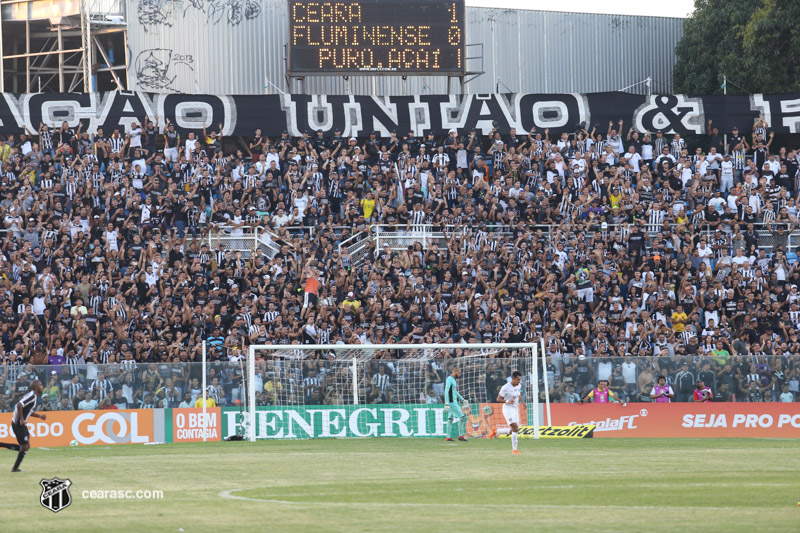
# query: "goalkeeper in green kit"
{"points": [[455, 416]]}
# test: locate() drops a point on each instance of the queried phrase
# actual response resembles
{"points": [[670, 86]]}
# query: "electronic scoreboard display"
{"points": [[403, 37]]}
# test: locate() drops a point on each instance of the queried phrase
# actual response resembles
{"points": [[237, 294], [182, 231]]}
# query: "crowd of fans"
{"points": [[612, 245]]}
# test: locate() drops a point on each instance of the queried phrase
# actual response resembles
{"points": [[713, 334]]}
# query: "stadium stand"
{"points": [[632, 254]]}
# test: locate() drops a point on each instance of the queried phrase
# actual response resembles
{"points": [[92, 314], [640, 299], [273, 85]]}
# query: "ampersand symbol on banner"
{"points": [[670, 113], [664, 116]]}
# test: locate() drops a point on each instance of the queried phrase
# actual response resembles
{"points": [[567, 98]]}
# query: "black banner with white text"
{"points": [[358, 115]]}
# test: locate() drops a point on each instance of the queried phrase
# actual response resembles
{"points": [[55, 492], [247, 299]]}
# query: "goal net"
{"points": [[305, 391]]}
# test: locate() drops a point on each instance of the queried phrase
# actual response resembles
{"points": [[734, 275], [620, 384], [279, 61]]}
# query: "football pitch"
{"points": [[414, 485]]}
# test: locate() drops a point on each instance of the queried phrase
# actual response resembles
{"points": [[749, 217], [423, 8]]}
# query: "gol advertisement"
{"points": [[669, 420], [129, 426]]}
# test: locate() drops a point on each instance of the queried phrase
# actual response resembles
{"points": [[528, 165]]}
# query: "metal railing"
{"points": [[356, 247], [395, 237], [247, 241], [400, 237], [406, 380]]}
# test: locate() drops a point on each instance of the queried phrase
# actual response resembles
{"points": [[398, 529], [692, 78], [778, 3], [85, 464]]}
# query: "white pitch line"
{"points": [[228, 494], [499, 489], [557, 487]]}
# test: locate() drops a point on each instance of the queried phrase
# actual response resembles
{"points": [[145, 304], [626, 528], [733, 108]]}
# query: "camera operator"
{"points": [[702, 393]]}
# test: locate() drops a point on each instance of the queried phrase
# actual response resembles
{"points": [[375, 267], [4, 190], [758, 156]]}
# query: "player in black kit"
{"points": [[22, 411]]}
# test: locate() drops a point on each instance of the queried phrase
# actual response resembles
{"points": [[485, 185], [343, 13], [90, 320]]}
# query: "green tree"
{"points": [[771, 46], [753, 42]]}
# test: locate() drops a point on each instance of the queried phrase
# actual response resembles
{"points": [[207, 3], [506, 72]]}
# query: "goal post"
{"points": [[345, 390], [251, 396]]}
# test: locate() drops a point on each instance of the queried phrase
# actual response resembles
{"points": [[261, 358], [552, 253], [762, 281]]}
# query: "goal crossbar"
{"points": [[379, 347]]}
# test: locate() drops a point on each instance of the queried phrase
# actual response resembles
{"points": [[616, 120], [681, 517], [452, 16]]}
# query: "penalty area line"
{"points": [[229, 494]]}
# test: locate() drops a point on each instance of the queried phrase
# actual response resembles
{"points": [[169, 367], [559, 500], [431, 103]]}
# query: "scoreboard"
{"points": [[404, 37]]}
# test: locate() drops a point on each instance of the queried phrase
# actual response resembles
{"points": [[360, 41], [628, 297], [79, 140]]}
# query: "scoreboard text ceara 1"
{"points": [[375, 36]]}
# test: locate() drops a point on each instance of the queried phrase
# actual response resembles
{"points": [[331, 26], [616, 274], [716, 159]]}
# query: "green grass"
{"points": [[417, 485]]}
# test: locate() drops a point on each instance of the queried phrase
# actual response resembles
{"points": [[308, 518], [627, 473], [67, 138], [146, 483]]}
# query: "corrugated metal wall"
{"points": [[200, 47]]}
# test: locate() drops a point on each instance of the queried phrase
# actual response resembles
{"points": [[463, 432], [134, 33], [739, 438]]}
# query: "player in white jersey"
{"points": [[509, 395]]}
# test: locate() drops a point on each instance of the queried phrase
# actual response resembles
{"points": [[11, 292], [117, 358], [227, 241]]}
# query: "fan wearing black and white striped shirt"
{"points": [[46, 140], [22, 411], [311, 382], [677, 146], [382, 380], [417, 217], [73, 387], [102, 386], [655, 217]]}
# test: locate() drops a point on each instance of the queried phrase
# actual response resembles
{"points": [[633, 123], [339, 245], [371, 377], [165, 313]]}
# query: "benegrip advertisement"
{"points": [[701, 420]]}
